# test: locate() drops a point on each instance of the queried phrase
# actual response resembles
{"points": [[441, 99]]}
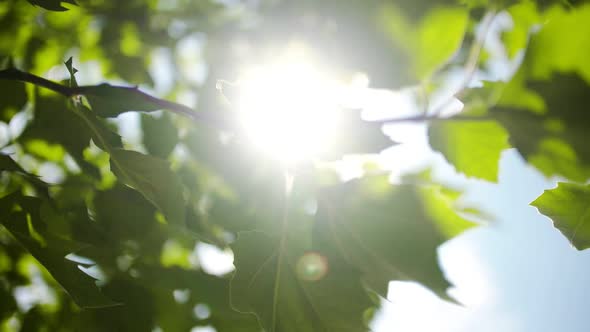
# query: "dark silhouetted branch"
{"points": [[67, 91]]}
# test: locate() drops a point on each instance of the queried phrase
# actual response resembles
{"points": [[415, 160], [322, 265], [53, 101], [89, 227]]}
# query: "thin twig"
{"points": [[433, 117], [472, 60], [475, 52]]}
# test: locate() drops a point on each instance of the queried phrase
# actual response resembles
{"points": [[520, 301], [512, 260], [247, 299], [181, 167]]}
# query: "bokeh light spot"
{"points": [[312, 266]]}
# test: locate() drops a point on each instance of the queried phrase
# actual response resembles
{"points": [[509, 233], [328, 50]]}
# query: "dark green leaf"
{"points": [[14, 98], [553, 140], [8, 164], [100, 133], [109, 100], [270, 282], [205, 289], [123, 213], [49, 249], [55, 123], [149, 175], [54, 5], [153, 178], [72, 71], [138, 312], [160, 135], [568, 206], [7, 303]]}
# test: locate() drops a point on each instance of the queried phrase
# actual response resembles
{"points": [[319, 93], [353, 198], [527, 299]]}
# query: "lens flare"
{"points": [[312, 266]]}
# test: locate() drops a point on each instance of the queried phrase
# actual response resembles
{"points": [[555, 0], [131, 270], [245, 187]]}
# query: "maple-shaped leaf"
{"points": [[272, 281], [568, 206], [388, 232]]}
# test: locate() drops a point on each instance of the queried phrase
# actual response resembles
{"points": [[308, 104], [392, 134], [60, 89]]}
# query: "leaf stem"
{"points": [[289, 178]]}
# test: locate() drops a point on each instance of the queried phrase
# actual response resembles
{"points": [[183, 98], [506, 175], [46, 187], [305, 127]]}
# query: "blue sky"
{"points": [[518, 274]]}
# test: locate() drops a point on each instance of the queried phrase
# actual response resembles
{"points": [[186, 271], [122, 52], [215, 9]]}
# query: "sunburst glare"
{"points": [[289, 108]]}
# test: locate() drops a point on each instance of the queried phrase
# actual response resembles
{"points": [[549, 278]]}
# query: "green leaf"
{"points": [[26, 225], [100, 133], [8, 164], [205, 289], [388, 232], [568, 206], [430, 42], [110, 101], [124, 213], [72, 71], [560, 45], [149, 175], [525, 16], [153, 178], [160, 135], [440, 205], [8, 304], [14, 98], [546, 109], [54, 5], [554, 141], [271, 282], [473, 147], [55, 123], [439, 36]]}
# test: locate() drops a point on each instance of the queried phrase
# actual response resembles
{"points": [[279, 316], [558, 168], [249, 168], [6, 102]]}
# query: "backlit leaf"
{"points": [[473, 147], [554, 141], [568, 206], [387, 232], [267, 283], [439, 36]]}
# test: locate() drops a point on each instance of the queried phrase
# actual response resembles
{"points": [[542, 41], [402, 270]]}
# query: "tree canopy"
{"points": [[122, 151]]}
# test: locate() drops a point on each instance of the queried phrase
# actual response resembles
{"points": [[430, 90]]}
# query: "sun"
{"points": [[288, 108]]}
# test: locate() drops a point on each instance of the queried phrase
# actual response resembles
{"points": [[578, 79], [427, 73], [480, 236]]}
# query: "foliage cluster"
{"points": [[81, 199]]}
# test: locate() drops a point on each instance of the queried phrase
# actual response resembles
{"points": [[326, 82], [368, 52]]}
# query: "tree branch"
{"points": [[68, 91], [472, 59], [433, 117], [14, 74]]}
